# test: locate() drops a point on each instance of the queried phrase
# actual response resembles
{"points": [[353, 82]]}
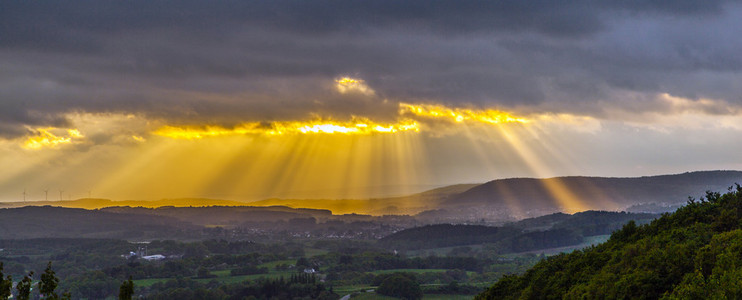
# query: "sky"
{"points": [[344, 99]]}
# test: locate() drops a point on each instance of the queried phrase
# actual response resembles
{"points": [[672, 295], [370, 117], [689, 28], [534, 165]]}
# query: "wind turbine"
{"points": [[46, 195], [24, 195], [60, 195]]}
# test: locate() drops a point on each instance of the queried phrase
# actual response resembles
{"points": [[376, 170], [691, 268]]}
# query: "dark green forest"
{"points": [[693, 253]]}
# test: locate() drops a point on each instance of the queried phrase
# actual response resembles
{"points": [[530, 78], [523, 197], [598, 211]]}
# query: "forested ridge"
{"points": [[550, 231], [693, 253]]}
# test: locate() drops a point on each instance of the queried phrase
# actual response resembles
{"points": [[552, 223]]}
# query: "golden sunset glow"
{"points": [[45, 137], [357, 126], [329, 156], [487, 116]]}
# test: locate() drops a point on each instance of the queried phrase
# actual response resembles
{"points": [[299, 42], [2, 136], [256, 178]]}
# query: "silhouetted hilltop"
{"points": [[519, 196], [96, 203]]}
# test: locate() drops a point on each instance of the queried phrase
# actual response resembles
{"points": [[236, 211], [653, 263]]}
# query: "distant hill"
{"points": [[96, 203], [411, 204], [531, 197], [495, 202], [694, 253], [556, 230]]}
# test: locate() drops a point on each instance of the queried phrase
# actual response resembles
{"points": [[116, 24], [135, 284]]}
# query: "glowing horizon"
{"points": [[285, 99]]}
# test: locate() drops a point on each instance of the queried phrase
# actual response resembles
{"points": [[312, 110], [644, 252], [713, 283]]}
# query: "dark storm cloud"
{"points": [[230, 61]]}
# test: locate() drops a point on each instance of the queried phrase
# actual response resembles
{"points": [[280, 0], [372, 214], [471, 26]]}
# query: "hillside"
{"points": [[532, 197], [694, 253], [556, 230]]}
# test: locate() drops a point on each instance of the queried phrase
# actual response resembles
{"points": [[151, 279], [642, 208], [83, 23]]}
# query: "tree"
{"points": [[24, 287], [48, 283], [400, 286], [5, 284], [302, 262], [126, 290], [203, 272]]}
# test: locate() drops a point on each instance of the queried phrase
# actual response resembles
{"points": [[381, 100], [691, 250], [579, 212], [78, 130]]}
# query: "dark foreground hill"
{"points": [[694, 253], [527, 197]]}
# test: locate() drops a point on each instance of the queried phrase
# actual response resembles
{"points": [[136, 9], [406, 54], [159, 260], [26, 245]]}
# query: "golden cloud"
{"points": [[436, 111], [348, 84], [46, 138]]}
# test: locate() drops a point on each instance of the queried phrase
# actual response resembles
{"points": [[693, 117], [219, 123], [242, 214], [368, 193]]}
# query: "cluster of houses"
{"points": [[142, 254]]}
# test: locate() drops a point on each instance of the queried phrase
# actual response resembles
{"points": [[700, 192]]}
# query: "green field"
{"points": [[222, 276]]}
